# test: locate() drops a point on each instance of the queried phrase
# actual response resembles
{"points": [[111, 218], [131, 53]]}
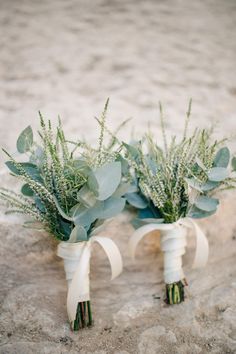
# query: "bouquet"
{"points": [[70, 196], [177, 185]]}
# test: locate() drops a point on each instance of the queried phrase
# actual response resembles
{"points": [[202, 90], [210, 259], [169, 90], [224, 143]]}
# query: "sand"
{"points": [[66, 58]]}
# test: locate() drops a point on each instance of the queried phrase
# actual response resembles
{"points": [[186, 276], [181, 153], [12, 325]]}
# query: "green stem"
{"points": [[90, 322]]}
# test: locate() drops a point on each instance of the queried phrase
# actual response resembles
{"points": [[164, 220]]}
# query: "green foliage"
{"points": [[222, 158], [70, 195], [136, 200], [217, 174], [25, 140], [108, 178], [78, 234], [179, 180], [206, 203], [233, 163]]}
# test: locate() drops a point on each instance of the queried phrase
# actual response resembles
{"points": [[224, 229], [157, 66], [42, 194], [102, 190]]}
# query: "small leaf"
{"points": [[233, 163], [124, 165], [78, 234], [136, 200], [40, 205], [152, 164], [217, 174], [206, 203], [65, 227], [199, 214], [137, 223], [93, 183], [86, 196], [146, 213], [222, 158], [27, 191], [25, 140], [37, 157], [201, 187], [209, 186], [193, 183], [133, 151], [110, 208], [85, 216], [108, 177], [200, 164], [125, 188], [30, 169]]}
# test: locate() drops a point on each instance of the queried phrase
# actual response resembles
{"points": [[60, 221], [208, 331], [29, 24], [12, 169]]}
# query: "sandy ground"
{"points": [[67, 57]]}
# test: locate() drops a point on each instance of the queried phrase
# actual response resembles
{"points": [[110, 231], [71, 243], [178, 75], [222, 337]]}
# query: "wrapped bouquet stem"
{"points": [[173, 245], [76, 258]]}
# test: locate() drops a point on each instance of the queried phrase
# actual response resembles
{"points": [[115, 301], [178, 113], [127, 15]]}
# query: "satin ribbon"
{"points": [[173, 244], [77, 267]]}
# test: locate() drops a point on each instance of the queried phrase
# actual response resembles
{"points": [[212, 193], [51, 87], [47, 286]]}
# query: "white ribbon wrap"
{"points": [[173, 243], [77, 267]]}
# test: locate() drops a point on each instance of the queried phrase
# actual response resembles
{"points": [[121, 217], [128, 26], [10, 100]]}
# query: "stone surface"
{"points": [[66, 58]]}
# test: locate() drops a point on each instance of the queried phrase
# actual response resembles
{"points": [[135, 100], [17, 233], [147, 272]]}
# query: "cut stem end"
{"points": [[175, 293], [83, 316]]}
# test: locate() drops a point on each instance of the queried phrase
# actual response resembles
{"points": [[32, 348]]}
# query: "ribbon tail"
{"points": [[141, 232], [113, 254], [79, 288], [202, 246]]}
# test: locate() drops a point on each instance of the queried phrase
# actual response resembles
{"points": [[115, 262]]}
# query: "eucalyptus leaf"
{"points": [[200, 164], [152, 164], [137, 223], [124, 165], [133, 151], [108, 177], [196, 213], [201, 187], [233, 163], [110, 208], [136, 200], [86, 216], [222, 157], [193, 183], [206, 203], [65, 227], [37, 156], [27, 191], [29, 168], [145, 213], [93, 183], [86, 196], [40, 205], [78, 234], [209, 186], [13, 168], [25, 140], [125, 188], [217, 174]]}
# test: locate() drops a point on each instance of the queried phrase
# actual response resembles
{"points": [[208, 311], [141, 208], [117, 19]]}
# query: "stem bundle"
{"points": [[175, 293], [83, 316]]}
